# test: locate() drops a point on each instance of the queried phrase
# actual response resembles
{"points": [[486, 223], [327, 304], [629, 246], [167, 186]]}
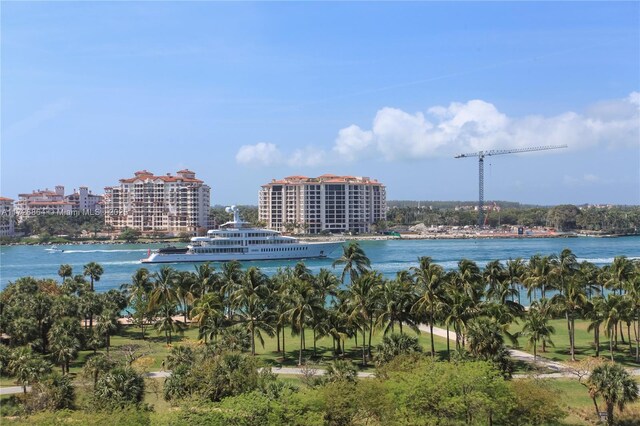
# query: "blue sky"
{"points": [[245, 92]]}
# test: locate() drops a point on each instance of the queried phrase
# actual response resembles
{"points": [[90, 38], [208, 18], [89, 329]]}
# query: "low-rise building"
{"points": [[42, 202], [325, 203], [83, 201], [164, 203], [7, 218]]}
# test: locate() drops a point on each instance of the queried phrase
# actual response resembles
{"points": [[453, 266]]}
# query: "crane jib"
{"points": [[482, 154]]}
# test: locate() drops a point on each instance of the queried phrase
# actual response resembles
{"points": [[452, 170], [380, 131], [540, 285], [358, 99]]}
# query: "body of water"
{"points": [[121, 260]]}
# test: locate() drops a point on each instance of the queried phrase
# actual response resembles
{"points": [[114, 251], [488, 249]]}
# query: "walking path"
{"points": [[516, 354]]}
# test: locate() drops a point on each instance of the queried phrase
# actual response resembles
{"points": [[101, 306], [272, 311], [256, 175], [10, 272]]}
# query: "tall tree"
{"points": [[615, 386], [537, 328], [429, 278], [164, 298], [65, 271], [572, 295], [305, 306], [362, 294], [250, 301], [94, 271], [355, 261]]}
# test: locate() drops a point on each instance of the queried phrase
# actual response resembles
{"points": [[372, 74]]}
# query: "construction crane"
{"points": [[482, 154]]}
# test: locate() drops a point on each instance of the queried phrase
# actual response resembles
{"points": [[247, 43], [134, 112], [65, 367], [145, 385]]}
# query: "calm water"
{"points": [[121, 260]]}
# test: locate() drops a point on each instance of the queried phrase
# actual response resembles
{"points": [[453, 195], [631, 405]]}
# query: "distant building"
{"points": [[84, 201], [7, 219], [326, 203], [42, 202], [151, 203]]}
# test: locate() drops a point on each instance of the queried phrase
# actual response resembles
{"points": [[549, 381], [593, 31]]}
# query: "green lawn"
{"points": [[583, 345], [575, 400]]}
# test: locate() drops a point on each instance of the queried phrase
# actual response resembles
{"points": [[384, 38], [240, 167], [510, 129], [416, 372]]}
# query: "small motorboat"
{"points": [[54, 249]]}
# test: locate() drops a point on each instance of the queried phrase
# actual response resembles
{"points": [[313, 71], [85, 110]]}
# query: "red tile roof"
{"points": [[6, 199]]}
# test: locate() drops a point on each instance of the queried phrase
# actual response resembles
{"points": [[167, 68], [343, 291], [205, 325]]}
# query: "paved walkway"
{"points": [[515, 354]]}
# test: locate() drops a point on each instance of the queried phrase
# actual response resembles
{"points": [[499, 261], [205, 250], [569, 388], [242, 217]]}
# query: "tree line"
{"points": [[235, 309]]}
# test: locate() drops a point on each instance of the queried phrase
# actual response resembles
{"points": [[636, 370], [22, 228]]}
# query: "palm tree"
{"points": [[138, 295], [120, 386], [430, 280], [165, 298], [633, 295], [355, 261], [361, 300], [64, 341], [611, 319], [538, 274], [65, 271], [394, 305], [515, 271], [396, 344], [94, 271], [230, 279], [572, 295], [208, 312], [306, 305], [107, 324], [27, 367], [595, 311], [250, 299], [536, 327], [64, 348], [614, 385], [495, 277], [184, 283], [96, 365], [621, 271], [204, 280]]}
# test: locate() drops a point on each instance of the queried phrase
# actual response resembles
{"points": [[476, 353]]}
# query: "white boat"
{"points": [[236, 240], [54, 249]]}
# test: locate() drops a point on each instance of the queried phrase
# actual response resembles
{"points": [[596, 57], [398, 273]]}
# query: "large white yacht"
{"points": [[236, 240]]}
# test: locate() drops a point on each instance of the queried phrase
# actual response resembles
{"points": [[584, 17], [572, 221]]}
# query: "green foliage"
{"points": [[118, 388], [536, 404], [394, 345], [71, 225], [464, 392], [213, 377], [53, 392], [129, 235]]}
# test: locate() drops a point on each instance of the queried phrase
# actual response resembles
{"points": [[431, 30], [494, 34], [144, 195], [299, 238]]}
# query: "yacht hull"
{"points": [[295, 252]]}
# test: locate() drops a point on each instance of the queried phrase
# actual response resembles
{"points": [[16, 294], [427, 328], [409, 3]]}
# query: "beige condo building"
{"points": [[151, 203], [7, 219], [325, 203]]}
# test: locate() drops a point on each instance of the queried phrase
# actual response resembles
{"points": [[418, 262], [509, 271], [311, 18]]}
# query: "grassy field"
{"points": [[575, 400], [583, 345], [155, 350]]}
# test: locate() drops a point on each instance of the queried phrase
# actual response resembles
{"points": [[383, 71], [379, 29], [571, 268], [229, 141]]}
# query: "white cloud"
{"points": [[352, 141], [306, 157], [478, 125], [463, 127], [266, 154]]}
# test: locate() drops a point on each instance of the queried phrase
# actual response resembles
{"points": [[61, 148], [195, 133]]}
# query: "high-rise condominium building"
{"points": [[150, 203], [326, 203], [6, 217]]}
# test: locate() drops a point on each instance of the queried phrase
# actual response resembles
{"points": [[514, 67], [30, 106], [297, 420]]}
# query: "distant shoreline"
{"points": [[335, 238]]}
